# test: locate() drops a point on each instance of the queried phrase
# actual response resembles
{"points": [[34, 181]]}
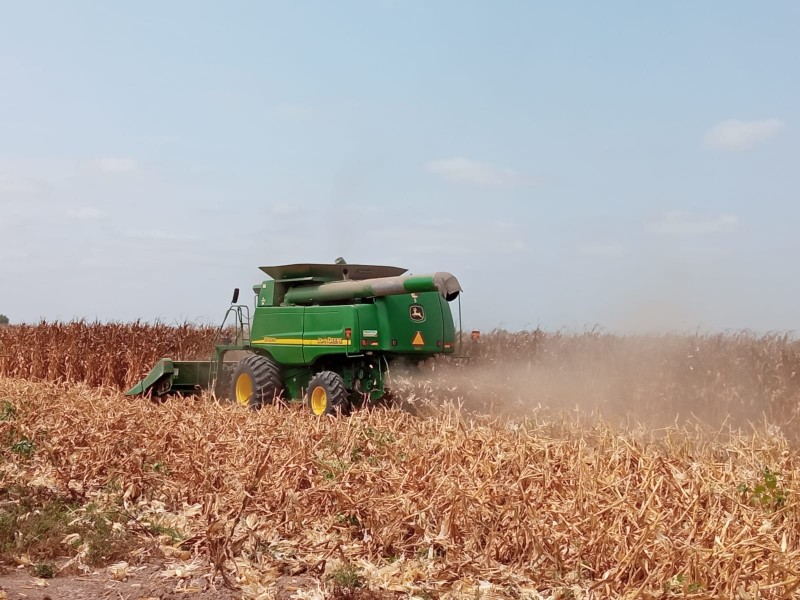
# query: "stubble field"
{"points": [[550, 466]]}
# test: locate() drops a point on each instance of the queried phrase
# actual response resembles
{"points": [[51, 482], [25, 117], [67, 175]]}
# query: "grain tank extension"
{"points": [[325, 333]]}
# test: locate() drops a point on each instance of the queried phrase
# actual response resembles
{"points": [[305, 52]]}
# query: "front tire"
{"points": [[326, 394], [256, 381]]}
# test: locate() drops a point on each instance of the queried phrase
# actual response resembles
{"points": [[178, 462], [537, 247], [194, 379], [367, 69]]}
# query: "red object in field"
{"points": [[476, 335]]}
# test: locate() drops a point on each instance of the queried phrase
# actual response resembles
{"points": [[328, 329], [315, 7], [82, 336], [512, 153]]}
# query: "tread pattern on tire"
{"points": [[267, 381], [337, 398]]}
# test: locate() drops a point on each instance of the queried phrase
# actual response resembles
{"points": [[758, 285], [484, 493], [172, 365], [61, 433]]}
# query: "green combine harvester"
{"points": [[326, 333]]}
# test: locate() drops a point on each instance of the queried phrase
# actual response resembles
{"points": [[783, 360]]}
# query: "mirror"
{"points": [[235, 296]]}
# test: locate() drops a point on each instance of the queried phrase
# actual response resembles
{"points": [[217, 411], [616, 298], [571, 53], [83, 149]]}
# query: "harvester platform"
{"points": [[177, 377]]}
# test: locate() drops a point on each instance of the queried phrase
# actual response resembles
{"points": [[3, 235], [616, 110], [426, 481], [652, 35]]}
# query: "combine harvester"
{"points": [[324, 332]]}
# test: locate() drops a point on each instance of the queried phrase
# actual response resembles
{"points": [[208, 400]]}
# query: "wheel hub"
{"points": [[244, 389], [319, 400]]}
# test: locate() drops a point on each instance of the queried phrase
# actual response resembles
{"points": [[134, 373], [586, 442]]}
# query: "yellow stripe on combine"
{"points": [[323, 341], [274, 340]]}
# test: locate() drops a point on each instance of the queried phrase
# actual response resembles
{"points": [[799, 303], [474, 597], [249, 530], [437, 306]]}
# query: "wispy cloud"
{"points": [[84, 213], [473, 172], [608, 250], [112, 164], [17, 185], [734, 134], [684, 223]]}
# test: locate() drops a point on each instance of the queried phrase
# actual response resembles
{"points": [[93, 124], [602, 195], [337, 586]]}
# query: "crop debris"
{"points": [[511, 476]]}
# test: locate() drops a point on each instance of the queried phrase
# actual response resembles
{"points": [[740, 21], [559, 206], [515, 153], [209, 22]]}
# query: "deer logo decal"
{"points": [[416, 313]]}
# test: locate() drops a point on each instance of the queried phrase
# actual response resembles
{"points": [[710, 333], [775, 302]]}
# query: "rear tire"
{"points": [[256, 381], [326, 394]]}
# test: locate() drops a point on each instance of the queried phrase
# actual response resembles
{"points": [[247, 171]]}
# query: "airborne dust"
{"points": [[714, 381]]}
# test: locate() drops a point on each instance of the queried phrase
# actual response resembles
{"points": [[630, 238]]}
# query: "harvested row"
{"points": [[531, 508]]}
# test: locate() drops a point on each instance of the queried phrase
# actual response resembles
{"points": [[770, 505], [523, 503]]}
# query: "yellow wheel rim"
{"points": [[319, 400], [244, 389]]}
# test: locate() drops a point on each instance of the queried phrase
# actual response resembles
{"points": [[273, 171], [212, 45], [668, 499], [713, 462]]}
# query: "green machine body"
{"points": [[323, 333]]}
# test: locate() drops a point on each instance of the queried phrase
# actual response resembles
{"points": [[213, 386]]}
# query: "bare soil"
{"points": [[145, 582]]}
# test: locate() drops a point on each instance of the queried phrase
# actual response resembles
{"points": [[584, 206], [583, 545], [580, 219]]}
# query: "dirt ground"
{"points": [[146, 582]]}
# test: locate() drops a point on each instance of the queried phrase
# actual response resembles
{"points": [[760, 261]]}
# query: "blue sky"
{"points": [[630, 165]]}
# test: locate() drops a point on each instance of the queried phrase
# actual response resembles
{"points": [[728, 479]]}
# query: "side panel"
{"points": [[279, 331], [414, 323], [266, 294], [185, 377], [369, 333], [448, 326], [190, 374], [325, 331]]}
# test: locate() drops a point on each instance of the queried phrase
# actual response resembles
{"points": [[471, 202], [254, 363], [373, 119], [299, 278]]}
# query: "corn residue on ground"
{"points": [[451, 505]]}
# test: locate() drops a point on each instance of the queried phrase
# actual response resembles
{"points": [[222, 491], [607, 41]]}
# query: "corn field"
{"points": [[100, 354], [652, 379], [551, 465]]}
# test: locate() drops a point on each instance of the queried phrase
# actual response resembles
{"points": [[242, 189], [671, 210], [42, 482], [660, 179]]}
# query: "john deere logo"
{"points": [[417, 313]]}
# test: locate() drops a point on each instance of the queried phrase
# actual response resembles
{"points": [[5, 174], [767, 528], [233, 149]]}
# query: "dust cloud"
{"points": [[717, 381]]}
